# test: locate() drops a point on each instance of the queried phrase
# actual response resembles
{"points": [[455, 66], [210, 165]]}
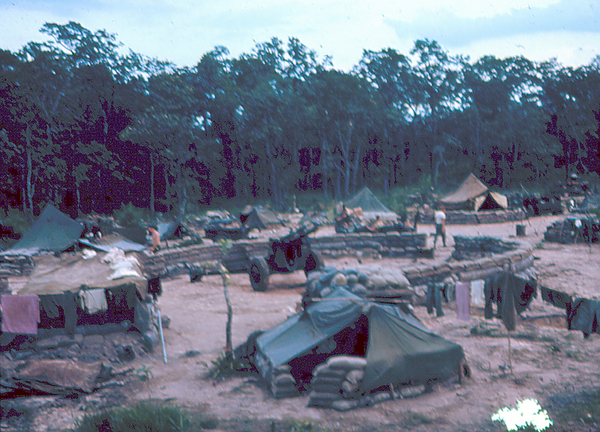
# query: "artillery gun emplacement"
{"points": [[289, 253]]}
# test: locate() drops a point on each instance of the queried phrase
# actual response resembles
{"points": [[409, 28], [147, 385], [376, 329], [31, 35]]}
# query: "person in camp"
{"points": [[440, 225], [377, 223], [153, 232]]}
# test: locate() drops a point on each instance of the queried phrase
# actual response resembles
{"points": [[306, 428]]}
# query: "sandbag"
{"points": [[346, 362], [327, 380], [344, 405]]}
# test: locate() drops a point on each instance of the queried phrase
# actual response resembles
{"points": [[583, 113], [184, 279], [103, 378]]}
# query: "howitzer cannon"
{"points": [[289, 253]]}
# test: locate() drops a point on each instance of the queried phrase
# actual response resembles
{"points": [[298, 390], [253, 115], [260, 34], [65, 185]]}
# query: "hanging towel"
{"points": [[463, 301], [477, 295], [20, 313], [93, 301]]}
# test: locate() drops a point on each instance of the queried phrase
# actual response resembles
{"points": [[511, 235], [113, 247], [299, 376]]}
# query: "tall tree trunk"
{"points": [[29, 173], [78, 196], [152, 212]]}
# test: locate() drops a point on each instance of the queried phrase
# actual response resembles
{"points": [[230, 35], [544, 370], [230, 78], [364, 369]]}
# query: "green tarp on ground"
{"points": [[53, 231], [400, 350], [370, 205]]}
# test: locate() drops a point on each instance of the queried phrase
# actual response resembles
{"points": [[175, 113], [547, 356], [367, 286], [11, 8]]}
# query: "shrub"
{"points": [[145, 417], [130, 216]]}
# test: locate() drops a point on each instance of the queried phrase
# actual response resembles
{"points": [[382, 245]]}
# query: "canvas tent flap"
{"points": [[303, 331], [52, 275], [370, 205], [400, 353], [470, 189], [53, 231], [400, 350]]}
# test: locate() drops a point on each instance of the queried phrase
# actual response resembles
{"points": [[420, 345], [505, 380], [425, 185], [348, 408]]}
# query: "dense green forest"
{"points": [[90, 127]]}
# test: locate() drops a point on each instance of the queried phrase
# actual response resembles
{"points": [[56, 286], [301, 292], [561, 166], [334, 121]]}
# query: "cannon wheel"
{"points": [[313, 262], [259, 274]]}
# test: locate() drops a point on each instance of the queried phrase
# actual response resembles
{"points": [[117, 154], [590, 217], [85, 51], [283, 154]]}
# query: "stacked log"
{"points": [[337, 380]]}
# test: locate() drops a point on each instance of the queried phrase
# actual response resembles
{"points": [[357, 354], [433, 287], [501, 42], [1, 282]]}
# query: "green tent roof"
{"points": [[53, 231], [400, 350]]}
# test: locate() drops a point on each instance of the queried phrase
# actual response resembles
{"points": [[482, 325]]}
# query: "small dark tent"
{"points": [[370, 205], [472, 194], [259, 217], [171, 230], [53, 231], [397, 348]]}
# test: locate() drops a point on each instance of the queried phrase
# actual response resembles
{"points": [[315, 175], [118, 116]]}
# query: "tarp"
{"points": [[370, 205], [400, 350], [52, 275], [472, 194], [53, 231], [106, 243], [258, 217]]}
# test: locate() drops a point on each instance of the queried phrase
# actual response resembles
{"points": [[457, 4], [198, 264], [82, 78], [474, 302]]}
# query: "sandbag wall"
{"points": [[335, 383], [386, 245], [15, 265], [461, 217], [170, 261]]}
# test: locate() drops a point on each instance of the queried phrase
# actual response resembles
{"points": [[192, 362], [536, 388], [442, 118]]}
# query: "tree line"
{"points": [[89, 127]]}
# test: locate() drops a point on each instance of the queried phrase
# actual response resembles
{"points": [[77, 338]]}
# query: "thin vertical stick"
{"points": [[509, 355]]}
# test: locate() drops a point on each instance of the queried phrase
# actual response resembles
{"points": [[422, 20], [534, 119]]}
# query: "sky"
{"points": [[182, 31]]}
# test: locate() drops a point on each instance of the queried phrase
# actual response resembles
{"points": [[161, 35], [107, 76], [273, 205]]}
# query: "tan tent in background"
{"points": [[472, 194]]}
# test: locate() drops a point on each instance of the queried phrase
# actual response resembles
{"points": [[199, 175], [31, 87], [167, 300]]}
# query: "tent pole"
{"points": [[162, 339], [510, 355]]}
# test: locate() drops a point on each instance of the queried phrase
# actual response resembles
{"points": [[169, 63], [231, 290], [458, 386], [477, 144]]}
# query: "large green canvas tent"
{"points": [[397, 348], [53, 231], [370, 205]]}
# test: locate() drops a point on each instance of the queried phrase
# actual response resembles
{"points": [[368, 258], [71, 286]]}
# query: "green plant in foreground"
{"points": [[527, 416], [145, 417], [144, 374]]}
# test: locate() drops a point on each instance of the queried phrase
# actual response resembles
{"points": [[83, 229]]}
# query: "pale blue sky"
{"points": [[183, 30]]}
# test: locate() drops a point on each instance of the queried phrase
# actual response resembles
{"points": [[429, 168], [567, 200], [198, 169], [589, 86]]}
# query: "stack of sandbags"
{"points": [[365, 282], [283, 384], [337, 381]]}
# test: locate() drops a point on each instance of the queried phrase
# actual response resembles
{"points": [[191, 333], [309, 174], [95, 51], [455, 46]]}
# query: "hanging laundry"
{"points": [[477, 292], [93, 301], [584, 315], [463, 297], [512, 295], [556, 298], [434, 299], [20, 313]]}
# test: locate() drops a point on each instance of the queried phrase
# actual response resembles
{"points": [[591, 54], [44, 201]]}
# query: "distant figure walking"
{"points": [[440, 225], [155, 239], [417, 219]]}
